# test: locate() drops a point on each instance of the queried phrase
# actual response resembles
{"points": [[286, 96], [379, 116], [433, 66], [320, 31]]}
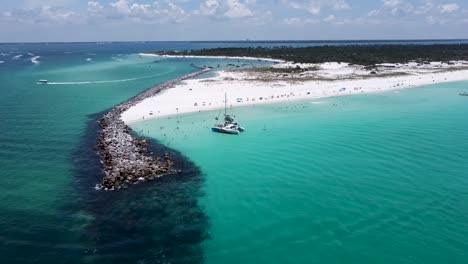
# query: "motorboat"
{"points": [[463, 94], [42, 82]]}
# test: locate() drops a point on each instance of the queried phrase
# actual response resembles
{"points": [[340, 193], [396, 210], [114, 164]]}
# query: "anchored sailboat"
{"points": [[228, 127]]}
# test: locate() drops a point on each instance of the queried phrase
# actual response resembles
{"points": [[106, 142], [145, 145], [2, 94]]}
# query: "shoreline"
{"points": [[211, 57], [245, 88], [124, 157]]}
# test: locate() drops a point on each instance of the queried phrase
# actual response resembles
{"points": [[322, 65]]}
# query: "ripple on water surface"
{"points": [[378, 178]]}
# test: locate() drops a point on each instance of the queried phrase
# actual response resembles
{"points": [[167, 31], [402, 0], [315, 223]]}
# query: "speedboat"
{"points": [[463, 94], [42, 82]]}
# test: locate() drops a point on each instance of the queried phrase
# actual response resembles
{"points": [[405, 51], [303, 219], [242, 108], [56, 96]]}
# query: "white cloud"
{"points": [[121, 6], [424, 9], [315, 6], [393, 8], [248, 16], [449, 8], [300, 21], [432, 20], [42, 15], [392, 3], [226, 8], [329, 18], [337, 5], [400, 11], [373, 13], [94, 7], [209, 7], [400, 8], [237, 9], [57, 14], [146, 13], [33, 4]]}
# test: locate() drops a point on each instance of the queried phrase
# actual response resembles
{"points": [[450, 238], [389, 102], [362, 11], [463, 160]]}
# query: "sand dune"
{"points": [[256, 87]]}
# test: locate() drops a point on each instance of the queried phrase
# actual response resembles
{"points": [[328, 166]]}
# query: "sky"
{"points": [[174, 20]]}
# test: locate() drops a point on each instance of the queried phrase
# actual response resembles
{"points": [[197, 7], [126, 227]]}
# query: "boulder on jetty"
{"points": [[124, 157]]}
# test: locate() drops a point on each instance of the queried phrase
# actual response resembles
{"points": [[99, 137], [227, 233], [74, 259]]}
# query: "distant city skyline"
{"points": [[212, 20]]}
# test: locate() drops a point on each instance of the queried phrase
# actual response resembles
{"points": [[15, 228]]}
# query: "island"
{"points": [[302, 74], [366, 55]]}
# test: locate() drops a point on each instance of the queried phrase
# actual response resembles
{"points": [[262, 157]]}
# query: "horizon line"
{"points": [[239, 41]]}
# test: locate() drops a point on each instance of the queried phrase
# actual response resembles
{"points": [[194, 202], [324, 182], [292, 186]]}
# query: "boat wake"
{"points": [[35, 60], [107, 81], [116, 59]]}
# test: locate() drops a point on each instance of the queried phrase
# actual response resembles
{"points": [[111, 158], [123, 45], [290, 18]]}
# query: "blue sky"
{"points": [[114, 20]]}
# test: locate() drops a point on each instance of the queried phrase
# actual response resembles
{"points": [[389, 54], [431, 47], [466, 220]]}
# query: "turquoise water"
{"points": [[376, 179], [49, 210]]}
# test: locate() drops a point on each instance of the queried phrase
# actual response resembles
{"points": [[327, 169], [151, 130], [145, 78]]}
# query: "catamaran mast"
{"points": [[225, 103]]}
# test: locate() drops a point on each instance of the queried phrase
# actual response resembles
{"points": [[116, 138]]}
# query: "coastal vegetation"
{"points": [[355, 54]]}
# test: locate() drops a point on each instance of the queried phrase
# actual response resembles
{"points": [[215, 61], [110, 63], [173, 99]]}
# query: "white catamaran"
{"points": [[228, 127]]}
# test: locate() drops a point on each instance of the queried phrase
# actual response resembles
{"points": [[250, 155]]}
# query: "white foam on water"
{"points": [[316, 102], [17, 56], [107, 81], [2, 62], [35, 60], [30, 54], [89, 59]]}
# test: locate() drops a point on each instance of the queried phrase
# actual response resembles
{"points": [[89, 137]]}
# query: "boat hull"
{"points": [[224, 131]]}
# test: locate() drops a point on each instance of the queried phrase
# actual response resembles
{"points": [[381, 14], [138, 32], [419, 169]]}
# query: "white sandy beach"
{"points": [[325, 80]]}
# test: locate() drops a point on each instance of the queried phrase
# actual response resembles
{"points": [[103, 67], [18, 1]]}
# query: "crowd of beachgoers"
{"points": [[286, 81]]}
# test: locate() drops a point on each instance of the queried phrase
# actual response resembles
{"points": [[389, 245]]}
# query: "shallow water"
{"points": [[49, 209], [376, 178], [295, 192]]}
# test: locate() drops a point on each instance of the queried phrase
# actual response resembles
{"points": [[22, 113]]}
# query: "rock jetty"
{"points": [[123, 156]]}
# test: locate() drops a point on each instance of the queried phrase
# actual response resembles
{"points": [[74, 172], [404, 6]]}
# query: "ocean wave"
{"points": [[2, 62], [35, 60], [30, 54], [89, 59], [17, 56], [107, 81]]}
